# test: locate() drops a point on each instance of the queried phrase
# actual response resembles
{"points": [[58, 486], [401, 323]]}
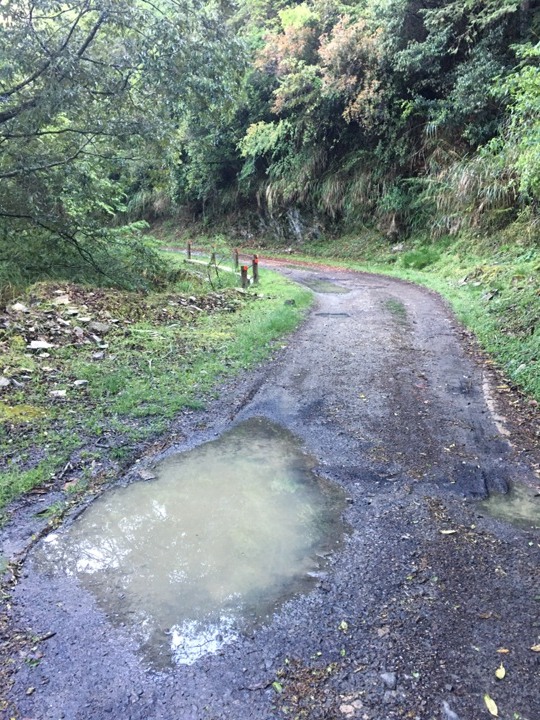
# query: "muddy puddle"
{"points": [[209, 548], [521, 506]]}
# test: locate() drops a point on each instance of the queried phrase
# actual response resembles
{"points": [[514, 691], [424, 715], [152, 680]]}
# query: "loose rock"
{"points": [[99, 327], [389, 679]]}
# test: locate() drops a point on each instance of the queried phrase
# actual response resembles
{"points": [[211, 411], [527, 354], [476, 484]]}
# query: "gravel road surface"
{"points": [[427, 593]]}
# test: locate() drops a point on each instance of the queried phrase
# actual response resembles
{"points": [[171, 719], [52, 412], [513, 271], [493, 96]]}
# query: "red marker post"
{"points": [[255, 267], [244, 276]]}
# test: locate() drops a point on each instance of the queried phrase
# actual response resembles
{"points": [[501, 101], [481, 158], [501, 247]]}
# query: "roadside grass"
{"points": [[164, 353]]}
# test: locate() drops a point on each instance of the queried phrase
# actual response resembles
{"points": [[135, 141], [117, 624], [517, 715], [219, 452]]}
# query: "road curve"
{"points": [[426, 589]]}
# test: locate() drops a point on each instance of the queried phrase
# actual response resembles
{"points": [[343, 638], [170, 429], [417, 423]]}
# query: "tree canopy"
{"points": [[92, 94], [408, 113]]}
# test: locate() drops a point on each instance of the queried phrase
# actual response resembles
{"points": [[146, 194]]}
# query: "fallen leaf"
{"points": [[536, 648], [491, 706], [344, 625], [503, 651], [500, 672], [278, 687], [448, 532]]}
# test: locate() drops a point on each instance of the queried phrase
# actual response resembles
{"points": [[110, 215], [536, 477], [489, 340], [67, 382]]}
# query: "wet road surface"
{"points": [[412, 613]]}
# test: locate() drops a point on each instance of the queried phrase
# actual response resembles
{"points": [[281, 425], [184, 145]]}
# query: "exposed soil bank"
{"points": [[426, 590]]}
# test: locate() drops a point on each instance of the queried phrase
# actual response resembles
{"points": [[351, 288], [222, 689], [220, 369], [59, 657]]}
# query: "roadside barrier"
{"points": [[242, 271]]}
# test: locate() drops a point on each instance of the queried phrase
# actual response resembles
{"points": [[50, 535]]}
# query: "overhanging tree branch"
{"points": [[34, 102], [46, 65], [70, 238], [47, 166]]}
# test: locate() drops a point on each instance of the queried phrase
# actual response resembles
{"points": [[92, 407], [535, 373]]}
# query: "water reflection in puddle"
{"points": [[520, 507], [223, 535]]}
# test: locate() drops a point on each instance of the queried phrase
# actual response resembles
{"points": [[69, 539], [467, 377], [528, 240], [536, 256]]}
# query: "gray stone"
{"points": [[39, 345], [99, 327], [61, 300], [389, 679], [448, 713]]}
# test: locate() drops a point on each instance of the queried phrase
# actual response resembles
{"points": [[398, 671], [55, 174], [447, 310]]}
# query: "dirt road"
{"points": [[427, 595]]}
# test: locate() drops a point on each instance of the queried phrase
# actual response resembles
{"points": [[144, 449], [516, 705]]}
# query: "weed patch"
{"points": [[419, 259], [397, 309]]}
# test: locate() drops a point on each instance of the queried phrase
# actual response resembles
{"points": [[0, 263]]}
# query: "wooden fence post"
{"points": [[255, 268], [244, 275], [236, 259], [189, 250]]}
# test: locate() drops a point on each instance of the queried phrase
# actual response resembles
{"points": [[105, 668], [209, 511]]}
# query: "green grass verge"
{"points": [[164, 353]]}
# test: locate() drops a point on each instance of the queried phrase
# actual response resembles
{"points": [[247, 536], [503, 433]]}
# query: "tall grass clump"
{"points": [[480, 191]]}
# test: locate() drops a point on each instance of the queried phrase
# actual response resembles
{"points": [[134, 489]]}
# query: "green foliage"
{"points": [[124, 257], [91, 97], [478, 191], [523, 136], [403, 114], [408, 85], [420, 258], [297, 16], [489, 188], [264, 138]]}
